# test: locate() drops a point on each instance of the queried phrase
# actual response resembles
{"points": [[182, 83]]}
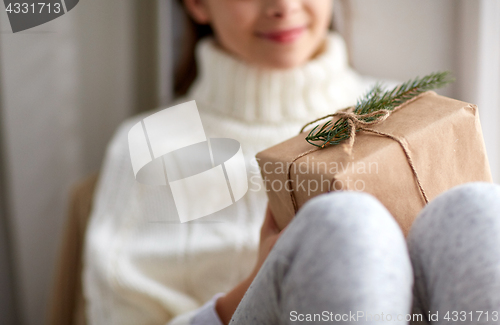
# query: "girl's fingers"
{"points": [[269, 226]]}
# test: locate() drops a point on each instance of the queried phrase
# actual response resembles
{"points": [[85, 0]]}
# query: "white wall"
{"points": [[401, 39], [487, 79], [65, 87]]}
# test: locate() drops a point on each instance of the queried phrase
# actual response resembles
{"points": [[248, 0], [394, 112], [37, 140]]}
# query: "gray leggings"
{"points": [[343, 258]]}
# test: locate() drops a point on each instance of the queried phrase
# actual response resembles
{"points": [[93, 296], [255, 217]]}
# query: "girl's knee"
{"points": [[457, 234], [477, 201], [466, 211], [345, 225], [471, 194], [356, 211]]}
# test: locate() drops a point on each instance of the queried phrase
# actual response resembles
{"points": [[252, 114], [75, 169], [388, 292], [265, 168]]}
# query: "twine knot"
{"points": [[357, 122], [361, 122]]}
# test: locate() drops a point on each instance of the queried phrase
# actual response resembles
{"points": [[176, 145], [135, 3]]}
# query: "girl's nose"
{"points": [[281, 8]]}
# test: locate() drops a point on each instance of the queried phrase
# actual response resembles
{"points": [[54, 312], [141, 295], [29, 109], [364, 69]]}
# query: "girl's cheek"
{"points": [[320, 11], [242, 12], [238, 18]]}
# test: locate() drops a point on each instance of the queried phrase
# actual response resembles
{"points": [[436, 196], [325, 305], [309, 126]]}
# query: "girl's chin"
{"points": [[282, 63], [285, 60], [288, 56]]}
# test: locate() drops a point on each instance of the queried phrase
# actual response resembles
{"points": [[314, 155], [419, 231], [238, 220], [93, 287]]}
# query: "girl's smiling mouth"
{"points": [[284, 35]]}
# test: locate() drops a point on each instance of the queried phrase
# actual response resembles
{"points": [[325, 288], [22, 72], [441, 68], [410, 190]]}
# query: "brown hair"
{"points": [[186, 70]]}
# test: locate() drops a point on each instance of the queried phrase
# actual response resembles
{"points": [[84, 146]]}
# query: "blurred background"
{"points": [[66, 85]]}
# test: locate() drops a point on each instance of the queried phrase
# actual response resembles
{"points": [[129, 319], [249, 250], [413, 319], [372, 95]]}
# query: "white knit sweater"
{"points": [[141, 265]]}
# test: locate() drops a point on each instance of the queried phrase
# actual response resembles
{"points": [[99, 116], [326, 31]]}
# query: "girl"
{"points": [[269, 67]]}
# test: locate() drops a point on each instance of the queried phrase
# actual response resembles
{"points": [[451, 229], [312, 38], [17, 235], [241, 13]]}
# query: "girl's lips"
{"points": [[283, 36]]}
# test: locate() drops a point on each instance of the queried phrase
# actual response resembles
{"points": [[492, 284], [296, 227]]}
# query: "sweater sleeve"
{"points": [[205, 315]]}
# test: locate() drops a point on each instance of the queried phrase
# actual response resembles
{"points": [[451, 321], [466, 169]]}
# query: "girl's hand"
{"points": [[269, 234]]}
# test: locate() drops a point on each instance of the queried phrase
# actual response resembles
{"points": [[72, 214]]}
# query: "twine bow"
{"points": [[358, 122]]}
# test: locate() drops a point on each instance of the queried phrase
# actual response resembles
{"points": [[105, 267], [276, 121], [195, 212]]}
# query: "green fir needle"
{"points": [[377, 99]]}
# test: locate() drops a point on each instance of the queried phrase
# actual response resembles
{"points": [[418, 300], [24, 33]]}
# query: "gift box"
{"points": [[421, 150]]}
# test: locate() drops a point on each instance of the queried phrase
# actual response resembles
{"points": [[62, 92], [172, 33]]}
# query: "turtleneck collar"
{"points": [[232, 88]]}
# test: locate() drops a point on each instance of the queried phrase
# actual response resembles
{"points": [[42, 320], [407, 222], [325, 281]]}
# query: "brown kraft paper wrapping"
{"points": [[445, 142]]}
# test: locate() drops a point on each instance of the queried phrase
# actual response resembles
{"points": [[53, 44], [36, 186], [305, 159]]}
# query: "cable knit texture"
{"points": [[141, 265]]}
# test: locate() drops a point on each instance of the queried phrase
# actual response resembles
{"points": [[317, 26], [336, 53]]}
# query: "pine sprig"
{"points": [[377, 99]]}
